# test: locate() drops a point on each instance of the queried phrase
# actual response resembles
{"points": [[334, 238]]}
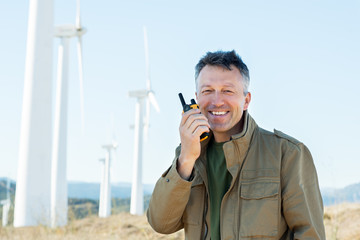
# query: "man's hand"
{"points": [[192, 125]]}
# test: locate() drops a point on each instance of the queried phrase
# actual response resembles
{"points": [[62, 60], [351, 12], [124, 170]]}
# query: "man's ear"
{"points": [[196, 96], [247, 101]]}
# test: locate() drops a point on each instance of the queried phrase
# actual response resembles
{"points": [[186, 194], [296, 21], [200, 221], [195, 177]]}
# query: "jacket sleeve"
{"points": [[168, 202], [301, 199]]}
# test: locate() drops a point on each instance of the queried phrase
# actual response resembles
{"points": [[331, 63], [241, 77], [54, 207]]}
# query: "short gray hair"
{"points": [[224, 59]]}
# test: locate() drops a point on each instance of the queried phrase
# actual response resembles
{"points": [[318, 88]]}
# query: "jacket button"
{"points": [[167, 180]]}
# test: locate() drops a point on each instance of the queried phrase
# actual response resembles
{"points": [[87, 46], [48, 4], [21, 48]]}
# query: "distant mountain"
{"points": [[92, 190], [333, 196], [85, 190]]}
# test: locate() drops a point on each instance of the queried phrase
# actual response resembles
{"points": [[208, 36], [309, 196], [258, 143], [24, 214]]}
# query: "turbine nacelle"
{"points": [[102, 160], [139, 93], [108, 147], [68, 30], [146, 93]]}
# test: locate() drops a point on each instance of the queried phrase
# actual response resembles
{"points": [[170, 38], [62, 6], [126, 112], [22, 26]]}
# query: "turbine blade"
{"points": [[153, 101], [81, 76], [148, 83], [78, 24]]}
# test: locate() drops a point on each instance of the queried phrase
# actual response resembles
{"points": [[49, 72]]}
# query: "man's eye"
{"points": [[228, 91], [206, 91]]}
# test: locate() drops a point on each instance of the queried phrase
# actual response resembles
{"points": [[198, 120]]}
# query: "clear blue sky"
{"points": [[303, 56]]}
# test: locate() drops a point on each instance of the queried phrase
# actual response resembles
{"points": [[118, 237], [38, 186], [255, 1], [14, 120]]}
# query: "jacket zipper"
{"points": [[205, 228]]}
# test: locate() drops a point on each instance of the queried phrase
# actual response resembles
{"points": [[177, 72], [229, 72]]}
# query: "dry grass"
{"points": [[120, 226], [342, 222]]}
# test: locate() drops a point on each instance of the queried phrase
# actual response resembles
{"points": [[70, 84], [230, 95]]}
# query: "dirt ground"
{"points": [[342, 222]]}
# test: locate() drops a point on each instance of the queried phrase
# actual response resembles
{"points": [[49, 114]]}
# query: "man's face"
{"points": [[220, 95]]}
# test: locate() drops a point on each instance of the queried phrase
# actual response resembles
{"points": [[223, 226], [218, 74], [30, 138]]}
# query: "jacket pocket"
{"points": [[193, 214], [259, 208], [194, 209]]}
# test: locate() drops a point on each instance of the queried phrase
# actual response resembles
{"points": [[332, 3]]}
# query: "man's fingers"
{"points": [[197, 123], [193, 124], [187, 114], [200, 130], [194, 118]]}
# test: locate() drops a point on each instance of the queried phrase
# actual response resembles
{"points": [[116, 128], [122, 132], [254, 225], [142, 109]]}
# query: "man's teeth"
{"points": [[218, 113]]}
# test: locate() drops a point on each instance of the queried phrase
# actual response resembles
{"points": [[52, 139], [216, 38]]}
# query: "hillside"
{"points": [[83, 208], [333, 196], [342, 222], [86, 190], [3, 188]]}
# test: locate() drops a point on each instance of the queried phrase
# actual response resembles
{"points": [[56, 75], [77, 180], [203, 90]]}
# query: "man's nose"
{"points": [[218, 99]]}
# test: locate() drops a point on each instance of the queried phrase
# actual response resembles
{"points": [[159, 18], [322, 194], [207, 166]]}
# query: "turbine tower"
{"points": [[32, 199], [105, 187], [6, 205], [59, 198], [137, 199], [102, 185]]}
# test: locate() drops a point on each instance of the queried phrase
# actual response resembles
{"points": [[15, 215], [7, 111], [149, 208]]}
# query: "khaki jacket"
{"points": [[274, 193]]}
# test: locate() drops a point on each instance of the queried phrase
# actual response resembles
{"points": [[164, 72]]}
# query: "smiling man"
{"points": [[243, 182]]}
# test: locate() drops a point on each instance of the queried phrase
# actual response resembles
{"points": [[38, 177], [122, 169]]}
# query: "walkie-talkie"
{"points": [[187, 107]]}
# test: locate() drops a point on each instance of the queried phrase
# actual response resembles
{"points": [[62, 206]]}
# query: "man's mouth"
{"points": [[218, 113]]}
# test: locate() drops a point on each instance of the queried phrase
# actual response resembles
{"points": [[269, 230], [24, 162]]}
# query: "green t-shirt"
{"points": [[219, 180]]}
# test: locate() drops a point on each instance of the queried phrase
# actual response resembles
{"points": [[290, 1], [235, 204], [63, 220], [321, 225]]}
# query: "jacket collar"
{"points": [[235, 150]]}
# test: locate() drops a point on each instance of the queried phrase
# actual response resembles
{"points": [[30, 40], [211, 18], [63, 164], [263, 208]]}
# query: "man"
{"points": [[243, 182]]}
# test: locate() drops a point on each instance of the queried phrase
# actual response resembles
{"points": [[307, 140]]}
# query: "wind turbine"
{"points": [[105, 187], [137, 199], [6, 205], [59, 201], [32, 198]]}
